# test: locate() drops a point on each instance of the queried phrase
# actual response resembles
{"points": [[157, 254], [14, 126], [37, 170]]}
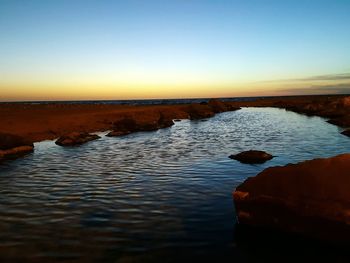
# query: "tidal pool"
{"points": [[152, 196]]}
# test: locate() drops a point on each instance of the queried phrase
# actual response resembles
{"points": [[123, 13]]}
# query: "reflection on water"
{"points": [[151, 196]]}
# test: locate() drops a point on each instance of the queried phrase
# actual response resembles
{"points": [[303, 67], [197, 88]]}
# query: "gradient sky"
{"points": [[57, 49]]}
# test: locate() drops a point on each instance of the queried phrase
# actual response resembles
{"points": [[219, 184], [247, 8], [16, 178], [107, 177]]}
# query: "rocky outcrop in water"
{"points": [[13, 146], [208, 109], [311, 198], [76, 138], [129, 125], [252, 157]]}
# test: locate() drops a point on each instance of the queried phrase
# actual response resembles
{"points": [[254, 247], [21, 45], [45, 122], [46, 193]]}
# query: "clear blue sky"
{"points": [[187, 48]]}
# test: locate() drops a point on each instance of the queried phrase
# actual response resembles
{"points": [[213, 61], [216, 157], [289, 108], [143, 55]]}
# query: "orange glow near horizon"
{"points": [[112, 50], [51, 92]]}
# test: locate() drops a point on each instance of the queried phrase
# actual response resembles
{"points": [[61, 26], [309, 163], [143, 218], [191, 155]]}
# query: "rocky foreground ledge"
{"points": [[311, 198], [13, 146]]}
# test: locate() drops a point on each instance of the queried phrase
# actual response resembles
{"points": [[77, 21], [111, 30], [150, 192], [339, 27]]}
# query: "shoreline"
{"points": [[38, 122]]}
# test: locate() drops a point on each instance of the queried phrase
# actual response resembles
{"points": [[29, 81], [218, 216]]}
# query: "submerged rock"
{"points": [[76, 138], [13, 146], [311, 198], [252, 157]]}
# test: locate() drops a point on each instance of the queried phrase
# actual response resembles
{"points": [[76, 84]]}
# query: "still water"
{"points": [[150, 196]]}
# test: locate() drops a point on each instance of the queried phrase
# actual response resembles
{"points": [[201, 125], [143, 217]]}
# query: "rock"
{"points": [[164, 122], [129, 125], [177, 120], [252, 157], [346, 133], [198, 111], [311, 198], [117, 133], [125, 125], [13, 146], [231, 107], [76, 138], [217, 105], [343, 121]]}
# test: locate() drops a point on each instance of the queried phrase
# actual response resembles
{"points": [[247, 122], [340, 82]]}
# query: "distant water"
{"points": [[154, 196]]}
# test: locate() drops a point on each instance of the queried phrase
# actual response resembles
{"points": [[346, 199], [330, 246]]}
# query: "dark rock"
{"points": [[9, 141], [311, 198], [346, 133], [13, 146], [177, 120], [76, 138], [343, 121], [231, 107], [217, 105], [117, 133], [197, 111], [252, 157], [128, 125], [164, 122]]}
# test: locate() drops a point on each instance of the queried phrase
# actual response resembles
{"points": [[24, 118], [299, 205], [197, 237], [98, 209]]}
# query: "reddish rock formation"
{"points": [[252, 157], [129, 125], [13, 146], [311, 198], [76, 138], [117, 133]]}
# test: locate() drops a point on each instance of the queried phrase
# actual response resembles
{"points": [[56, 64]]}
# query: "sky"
{"points": [[141, 49]]}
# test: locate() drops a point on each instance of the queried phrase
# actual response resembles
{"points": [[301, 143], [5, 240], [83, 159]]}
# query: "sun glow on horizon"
{"points": [[64, 50]]}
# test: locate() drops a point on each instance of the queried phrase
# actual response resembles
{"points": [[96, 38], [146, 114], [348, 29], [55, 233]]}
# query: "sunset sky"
{"points": [[68, 50]]}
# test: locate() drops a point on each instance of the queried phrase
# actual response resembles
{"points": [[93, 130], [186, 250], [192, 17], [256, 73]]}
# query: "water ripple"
{"points": [[148, 191]]}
